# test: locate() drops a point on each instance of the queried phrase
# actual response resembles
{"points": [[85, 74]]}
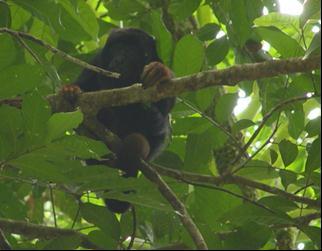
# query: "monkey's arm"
{"points": [[157, 73]]}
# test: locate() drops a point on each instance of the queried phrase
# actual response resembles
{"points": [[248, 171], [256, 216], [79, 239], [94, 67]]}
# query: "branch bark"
{"points": [[91, 102], [42, 232], [217, 181]]}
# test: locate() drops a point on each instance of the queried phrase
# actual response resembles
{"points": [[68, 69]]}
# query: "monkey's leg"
{"points": [[135, 147]]}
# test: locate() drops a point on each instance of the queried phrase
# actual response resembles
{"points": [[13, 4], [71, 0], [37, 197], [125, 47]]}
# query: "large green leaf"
{"points": [[162, 36], [18, 79], [11, 127], [7, 50], [181, 9], [36, 112], [288, 151], [61, 122], [245, 238], [73, 23], [102, 218], [284, 44], [225, 106], [188, 56], [314, 156], [217, 50]]}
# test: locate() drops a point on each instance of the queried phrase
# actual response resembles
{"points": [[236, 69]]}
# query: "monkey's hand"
{"points": [[155, 73], [70, 94]]}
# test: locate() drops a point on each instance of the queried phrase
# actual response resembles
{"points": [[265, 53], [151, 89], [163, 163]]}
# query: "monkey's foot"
{"points": [[70, 93], [155, 73]]}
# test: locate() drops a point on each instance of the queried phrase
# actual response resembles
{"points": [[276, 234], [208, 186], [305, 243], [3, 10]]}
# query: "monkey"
{"points": [[143, 128]]}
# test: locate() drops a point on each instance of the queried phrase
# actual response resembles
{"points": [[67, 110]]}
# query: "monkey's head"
{"points": [[127, 51]]}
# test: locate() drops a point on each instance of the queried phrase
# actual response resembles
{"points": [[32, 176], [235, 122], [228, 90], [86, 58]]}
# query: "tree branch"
{"points": [[217, 181], [42, 232], [176, 204], [91, 102]]}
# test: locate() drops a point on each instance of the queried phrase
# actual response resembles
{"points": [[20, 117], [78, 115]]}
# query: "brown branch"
{"points": [[176, 204], [91, 102], [217, 181], [42, 232], [59, 52]]}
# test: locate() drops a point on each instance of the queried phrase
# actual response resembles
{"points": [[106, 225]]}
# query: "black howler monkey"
{"points": [[143, 128]]}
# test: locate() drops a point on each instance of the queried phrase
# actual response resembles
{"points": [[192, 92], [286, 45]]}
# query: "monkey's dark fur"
{"points": [[145, 126]]}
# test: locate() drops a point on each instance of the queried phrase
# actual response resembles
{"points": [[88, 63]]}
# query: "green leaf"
{"points": [[190, 125], [36, 112], [7, 49], [5, 16], [273, 155], [286, 23], [314, 233], [181, 9], [258, 170], [313, 127], [217, 50], [188, 56], [242, 124], [18, 79], [278, 203], [102, 240], [288, 177], [81, 147], [102, 218], [250, 212], [83, 14], [209, 205], [288, 151], [312, 9], [162, 36], [245, 238], [315, 46], [198, 153], [64, 243], [61, 122], [11, 127], [313, 161], [72, 23], [240, 22], [296, 119], [208, 31], [225, 106], [123, 9], [284, 44]]}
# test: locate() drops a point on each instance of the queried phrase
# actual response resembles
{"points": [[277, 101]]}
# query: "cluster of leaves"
{"points": [[39, 151]]}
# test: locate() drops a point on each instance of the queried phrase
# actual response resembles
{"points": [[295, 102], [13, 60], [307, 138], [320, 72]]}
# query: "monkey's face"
{"points": [[127, 51]]}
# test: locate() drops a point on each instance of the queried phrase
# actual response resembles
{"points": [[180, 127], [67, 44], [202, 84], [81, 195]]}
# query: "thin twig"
{"points": [[53, 204], [264, 120], [193, 177], [212, 121], [59, 52], [259, 149]]}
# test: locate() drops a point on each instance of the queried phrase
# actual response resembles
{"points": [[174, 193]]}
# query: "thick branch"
{"points": [[91, 102], [176, 204], [19, 34], [42, 232]]}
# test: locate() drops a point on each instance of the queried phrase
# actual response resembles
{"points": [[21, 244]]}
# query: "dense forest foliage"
{"points": [[243, 158]]}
